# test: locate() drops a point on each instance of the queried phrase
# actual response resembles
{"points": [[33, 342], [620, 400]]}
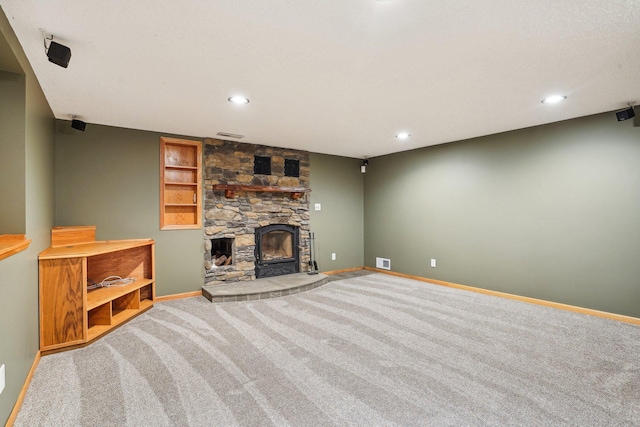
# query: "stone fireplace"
{"points": [[256, 211]]}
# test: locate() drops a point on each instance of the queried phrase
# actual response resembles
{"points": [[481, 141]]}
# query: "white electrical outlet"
{"points": [[318, 207], [333, 256], [1, 379], [433, 263]]}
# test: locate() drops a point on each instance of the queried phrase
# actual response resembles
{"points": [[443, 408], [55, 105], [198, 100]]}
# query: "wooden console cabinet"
{"points": [[71, 315]]}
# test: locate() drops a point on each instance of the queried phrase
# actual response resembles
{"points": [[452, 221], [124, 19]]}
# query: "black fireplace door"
{"points": [[277, 250]]}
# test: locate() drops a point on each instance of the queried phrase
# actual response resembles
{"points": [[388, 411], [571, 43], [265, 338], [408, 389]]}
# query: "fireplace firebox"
{"points": [[277, 250]]}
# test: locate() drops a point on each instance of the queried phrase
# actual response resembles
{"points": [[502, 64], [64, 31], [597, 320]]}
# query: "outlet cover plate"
{"points": [[1, 379], [433, 263]]}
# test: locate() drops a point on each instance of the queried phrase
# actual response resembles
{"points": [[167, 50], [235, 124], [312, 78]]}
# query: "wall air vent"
{"points": [[230, 135], [383, 263]]}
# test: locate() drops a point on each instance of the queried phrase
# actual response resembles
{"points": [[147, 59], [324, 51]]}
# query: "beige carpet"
{"points": [[374, 350]]}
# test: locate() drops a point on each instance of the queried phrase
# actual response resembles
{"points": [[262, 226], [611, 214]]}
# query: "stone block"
{"points": [[233, 274], [245, 240], [209, 231], [222, 214], [244, 179], [245, 266], [213, 142], [288, 181], [245, 154], [244, 147]]}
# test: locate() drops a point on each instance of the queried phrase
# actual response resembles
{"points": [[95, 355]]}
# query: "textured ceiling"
{"points": [[334, 76]]}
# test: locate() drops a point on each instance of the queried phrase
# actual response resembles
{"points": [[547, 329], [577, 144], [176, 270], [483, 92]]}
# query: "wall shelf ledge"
{"points": [[229, 189], [11, 244]]}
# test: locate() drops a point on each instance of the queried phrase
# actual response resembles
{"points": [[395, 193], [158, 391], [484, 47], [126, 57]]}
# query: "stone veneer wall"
{"points": [[230, 162]]}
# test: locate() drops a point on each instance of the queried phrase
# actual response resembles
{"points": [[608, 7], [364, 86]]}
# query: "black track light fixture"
{"points": [[77, 124], [626, 114], [57, 53]]}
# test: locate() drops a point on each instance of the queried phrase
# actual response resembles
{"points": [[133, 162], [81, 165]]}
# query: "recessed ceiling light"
{"points": [[403, 135], [554, 99], [239, 100]]}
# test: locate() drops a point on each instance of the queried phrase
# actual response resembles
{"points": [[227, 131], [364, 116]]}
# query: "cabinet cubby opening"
{"points": [[180, 194], [134, 262], [181, 175], [100, 315], [181, 214], [181, 155], [130, 301], [146, 293]]}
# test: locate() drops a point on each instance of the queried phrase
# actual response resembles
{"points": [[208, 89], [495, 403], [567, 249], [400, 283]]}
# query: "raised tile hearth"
{"points": [[268, 287]]}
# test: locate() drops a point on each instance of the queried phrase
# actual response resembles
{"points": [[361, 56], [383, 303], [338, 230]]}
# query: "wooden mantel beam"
{"points": [[230, 189]]}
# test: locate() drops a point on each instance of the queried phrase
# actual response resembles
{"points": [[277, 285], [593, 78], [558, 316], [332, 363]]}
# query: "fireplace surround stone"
{"points": [[237, 218]]}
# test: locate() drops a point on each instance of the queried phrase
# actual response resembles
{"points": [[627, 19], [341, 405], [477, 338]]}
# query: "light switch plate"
{"points": [[318, 207]]}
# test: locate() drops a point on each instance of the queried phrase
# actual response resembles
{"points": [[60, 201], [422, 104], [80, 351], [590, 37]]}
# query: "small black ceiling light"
{"points": [[626, 113], [363, 168], [57, 53], [78, 124]]}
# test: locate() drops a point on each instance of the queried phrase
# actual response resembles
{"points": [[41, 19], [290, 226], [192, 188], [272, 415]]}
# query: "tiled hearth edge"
{"points": [[266, 288], [232, 163]]}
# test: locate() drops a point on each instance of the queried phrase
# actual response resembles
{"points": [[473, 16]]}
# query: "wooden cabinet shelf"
{"points": [[70, 314], [180, 184], [96, 297], [180, 167]]}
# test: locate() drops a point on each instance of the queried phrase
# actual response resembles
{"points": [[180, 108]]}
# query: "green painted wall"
{"points": [[12, 147], [337, 184], [33, 175], [109, 177], [550, 212]]}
